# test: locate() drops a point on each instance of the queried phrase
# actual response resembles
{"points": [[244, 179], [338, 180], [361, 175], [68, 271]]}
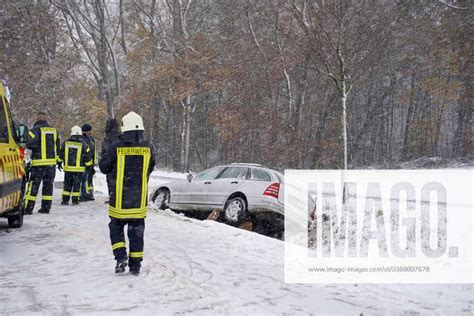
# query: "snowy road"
{"points": [[61, 263]]}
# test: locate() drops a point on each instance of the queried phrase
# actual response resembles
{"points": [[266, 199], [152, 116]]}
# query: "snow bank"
{"points": [[157, 178], [62, 263]]}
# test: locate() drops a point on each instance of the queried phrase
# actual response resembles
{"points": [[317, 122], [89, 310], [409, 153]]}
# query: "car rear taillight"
{"points": [[273, 190], [22, 152]]}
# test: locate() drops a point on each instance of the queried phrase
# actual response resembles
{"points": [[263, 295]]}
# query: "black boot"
{"points": [[121, 265], [28, 210], [135, 271], [43, 210], [65, 203]]}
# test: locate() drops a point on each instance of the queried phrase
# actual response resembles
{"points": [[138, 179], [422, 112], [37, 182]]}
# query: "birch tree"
{"points": [[345, 36]]}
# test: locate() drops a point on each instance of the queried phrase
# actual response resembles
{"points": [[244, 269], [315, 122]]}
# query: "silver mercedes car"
{"points": [[238, 190]]}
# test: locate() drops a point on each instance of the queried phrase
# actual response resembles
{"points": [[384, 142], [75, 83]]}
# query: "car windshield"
{"points": [[209, 174], [3, 124]]}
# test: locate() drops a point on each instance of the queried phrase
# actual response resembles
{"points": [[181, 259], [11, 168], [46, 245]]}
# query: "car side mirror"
{"points": [[22, 133], [189, 177]]}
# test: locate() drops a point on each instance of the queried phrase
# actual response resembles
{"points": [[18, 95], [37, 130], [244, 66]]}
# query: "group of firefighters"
{"points": [[77, 154], [127, 159]]}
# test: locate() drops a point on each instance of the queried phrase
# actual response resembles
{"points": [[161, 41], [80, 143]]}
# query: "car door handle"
{"points": [[234, 182], [207, 182]]}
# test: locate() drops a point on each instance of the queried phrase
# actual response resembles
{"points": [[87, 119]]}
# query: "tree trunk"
{"points": [[188, 132], [183, 139], [405, 150], [344, 126]]}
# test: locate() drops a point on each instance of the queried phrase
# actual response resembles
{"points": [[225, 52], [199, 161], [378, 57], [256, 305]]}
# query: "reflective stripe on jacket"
{"points": [[129, 163], [75, 154], [44, 144]]}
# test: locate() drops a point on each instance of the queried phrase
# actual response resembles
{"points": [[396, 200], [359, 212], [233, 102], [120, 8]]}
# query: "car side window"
{"points": [[3, 123], [243, 174], [209, 174], [234, 173], [259, 174]]}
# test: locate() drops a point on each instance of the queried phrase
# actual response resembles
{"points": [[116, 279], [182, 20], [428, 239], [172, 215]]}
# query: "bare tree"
{"points": [[290, 84], [89, 26], [345, 37]]}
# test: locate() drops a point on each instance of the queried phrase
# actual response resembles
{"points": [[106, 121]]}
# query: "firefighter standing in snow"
{"points": [[112, 135], [44, 144], [87, 189], [129, 162], [76, 156]]}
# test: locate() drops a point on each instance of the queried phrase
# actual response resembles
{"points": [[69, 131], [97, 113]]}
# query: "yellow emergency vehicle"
{"points": [[12, 170]]}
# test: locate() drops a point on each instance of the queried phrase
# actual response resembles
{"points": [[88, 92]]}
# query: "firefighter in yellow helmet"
{"points": [[44, 145], [76, 156], [129, 162]]}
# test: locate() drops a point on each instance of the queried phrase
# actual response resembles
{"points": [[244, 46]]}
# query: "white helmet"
{"points": [[132, 122], [76, 130]]}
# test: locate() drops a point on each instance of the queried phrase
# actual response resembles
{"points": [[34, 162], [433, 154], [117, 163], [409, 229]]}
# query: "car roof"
{"points": [[275, 174], [243, 164], [255, 165]]}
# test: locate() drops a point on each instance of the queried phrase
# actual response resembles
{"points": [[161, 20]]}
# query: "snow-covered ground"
{"points": [[62, 263]]}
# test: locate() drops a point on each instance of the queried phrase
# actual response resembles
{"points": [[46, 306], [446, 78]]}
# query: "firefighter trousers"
{"points": [[87, 183], [44, 174], [135, 232], [72, 186], [90, 183]]}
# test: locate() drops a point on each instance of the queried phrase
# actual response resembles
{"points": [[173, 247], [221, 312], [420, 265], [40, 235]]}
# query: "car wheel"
{"points": [[235, 211], [16, 221], [161, 198]]}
